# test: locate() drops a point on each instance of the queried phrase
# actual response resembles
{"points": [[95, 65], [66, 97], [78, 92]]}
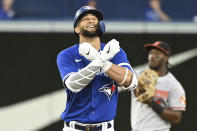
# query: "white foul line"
{"points": [[33, 114]]}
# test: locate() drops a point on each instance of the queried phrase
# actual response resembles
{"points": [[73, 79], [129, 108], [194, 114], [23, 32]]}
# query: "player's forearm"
{"points": [[119, 75], [79, 80], [172, 116], [167, 114]]}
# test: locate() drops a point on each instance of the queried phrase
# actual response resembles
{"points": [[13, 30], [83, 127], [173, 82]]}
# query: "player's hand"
{"points": [[88, 51], [110, 50]]}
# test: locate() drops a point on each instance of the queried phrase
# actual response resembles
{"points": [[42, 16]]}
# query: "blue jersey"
{"points": [[97, 102]]}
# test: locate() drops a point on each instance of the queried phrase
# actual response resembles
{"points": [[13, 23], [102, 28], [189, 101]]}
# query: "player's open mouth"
{"points": [[91, 27]]}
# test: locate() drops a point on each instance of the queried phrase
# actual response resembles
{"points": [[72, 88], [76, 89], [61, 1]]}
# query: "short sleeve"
{"points": [[177, 98], [66, 64]]}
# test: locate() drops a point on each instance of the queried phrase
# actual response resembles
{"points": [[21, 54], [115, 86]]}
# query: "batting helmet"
{"points": [[89, 9]]}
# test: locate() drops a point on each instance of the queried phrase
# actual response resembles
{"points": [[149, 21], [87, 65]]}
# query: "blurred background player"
{"points": [[91, 72], [92, 3], [155, 12], [169, 101], [6, 11]]}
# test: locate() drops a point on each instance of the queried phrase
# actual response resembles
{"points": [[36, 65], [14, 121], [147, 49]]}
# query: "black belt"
{"points": [[88, 127]]}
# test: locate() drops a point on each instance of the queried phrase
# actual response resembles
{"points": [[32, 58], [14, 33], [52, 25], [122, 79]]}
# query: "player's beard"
{"points": [[156, 65], [156, 68], [87, 33]]}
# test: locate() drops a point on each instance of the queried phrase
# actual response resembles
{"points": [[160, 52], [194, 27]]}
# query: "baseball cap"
{"points": [[161, 45]]}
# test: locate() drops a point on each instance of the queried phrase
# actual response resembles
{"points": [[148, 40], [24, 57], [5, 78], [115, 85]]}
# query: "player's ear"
{"points": [[77, 30], [166, 58]]}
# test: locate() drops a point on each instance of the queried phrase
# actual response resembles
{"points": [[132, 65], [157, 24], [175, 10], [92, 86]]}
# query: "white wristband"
{"points": [[106, 66], [133, 84], [125, 77]]}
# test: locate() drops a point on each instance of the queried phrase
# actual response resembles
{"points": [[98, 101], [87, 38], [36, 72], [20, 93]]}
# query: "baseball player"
{"points": [[168, 103], [91, 72]]}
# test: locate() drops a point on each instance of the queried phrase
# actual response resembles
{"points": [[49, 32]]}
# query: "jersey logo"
{"points": [[108, 89], [161, 102], [182, 100], [77, 60]]}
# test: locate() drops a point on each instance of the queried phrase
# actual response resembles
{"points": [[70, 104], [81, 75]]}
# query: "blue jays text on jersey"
{"points": [[97, 102]]}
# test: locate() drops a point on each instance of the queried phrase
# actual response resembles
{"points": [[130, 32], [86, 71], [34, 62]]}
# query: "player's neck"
{"points": [[162, 71], [95, 41]]}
